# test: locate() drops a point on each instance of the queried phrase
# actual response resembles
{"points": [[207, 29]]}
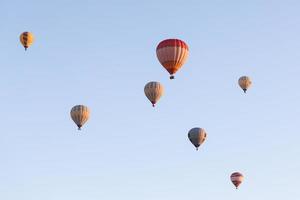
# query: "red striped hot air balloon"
{"points": [[236, 178], [172, 54]]}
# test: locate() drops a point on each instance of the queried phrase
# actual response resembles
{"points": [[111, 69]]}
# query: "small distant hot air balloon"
{"points": [[245, 83], [80, 114], [172, 54], [26, 39], [153, 91], [197, 136], [236, 178]]}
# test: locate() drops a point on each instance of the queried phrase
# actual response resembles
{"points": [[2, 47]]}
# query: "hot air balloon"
{"points": [[80, 114], [245, 83], [197, 136], [236, 178], [153, 91], [26, 39], [172, 54]]}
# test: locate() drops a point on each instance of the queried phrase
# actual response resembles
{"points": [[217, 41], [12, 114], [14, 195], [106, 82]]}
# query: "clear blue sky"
{"points": [[102, 53]]}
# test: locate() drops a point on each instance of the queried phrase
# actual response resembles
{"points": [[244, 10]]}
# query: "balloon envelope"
{"points": [[80, 114], [236, 178], [26, 39], [172, 54], [153, 91], [197, 136], [245, 83]]}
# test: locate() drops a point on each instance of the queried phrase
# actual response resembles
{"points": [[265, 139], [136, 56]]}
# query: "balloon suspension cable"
{"points": [[26, 48], [197, 148], [245, 90], [172, 77], [79, 128]]}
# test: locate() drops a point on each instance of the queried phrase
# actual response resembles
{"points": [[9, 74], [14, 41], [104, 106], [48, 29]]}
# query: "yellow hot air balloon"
{"points": [[80, 114], [245, 83], [197, 136], [153, 91], [236, 179], [26, 39]]}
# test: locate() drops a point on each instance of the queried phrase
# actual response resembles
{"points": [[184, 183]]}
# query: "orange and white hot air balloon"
{"points": [[153, 91], [172, 54], [236, 178], [26, 38]]}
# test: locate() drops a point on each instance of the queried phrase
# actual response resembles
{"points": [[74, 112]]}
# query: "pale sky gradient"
{"points": [[102, 53]]}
